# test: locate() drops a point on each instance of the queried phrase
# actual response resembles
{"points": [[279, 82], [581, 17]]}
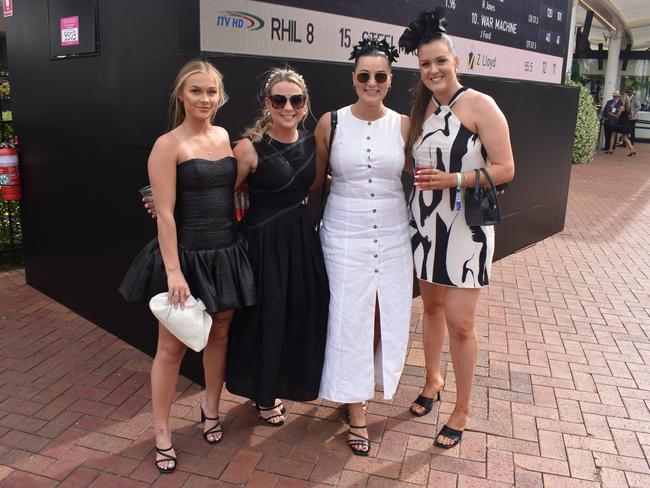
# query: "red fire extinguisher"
{"points": [[9, 175]]}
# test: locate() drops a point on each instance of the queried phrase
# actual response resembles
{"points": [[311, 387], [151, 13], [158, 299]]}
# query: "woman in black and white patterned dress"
{"points": [[454, 130]]}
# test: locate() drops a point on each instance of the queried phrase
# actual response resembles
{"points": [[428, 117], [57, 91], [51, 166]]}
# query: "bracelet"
{"points": [[458, 185]]}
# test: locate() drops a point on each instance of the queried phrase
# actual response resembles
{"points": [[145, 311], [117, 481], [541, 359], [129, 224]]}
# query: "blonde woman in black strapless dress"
{"points": [[197, 252]]}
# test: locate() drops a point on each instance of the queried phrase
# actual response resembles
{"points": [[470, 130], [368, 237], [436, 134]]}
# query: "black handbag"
{"points": [[482, 204]]}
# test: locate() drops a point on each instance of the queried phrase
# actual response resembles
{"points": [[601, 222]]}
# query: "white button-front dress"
{"points": [[367, 248]]}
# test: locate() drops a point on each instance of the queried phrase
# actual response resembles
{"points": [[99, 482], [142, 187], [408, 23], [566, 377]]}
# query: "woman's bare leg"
{"points": [[460, 312], [433, 338], [612, 141], [164, 377], [357, 416], [214, 368]]}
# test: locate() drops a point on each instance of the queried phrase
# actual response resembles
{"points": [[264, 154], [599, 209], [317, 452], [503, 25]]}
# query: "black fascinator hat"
{"points": [[427, 26], [366, 46]]}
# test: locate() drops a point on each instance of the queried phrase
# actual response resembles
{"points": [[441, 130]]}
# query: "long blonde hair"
{"points": [[422, 95], [264, 122], [176, 109]]}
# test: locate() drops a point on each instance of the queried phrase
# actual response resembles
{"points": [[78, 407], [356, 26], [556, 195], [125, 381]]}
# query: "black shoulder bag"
{"points": [[482, 204], [324, 192]]}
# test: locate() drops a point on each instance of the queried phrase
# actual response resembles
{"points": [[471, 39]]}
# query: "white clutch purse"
{"points": [[190, 325]]}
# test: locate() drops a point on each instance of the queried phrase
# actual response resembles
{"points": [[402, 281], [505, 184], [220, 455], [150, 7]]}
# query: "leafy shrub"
{"points": [[587, 126]]}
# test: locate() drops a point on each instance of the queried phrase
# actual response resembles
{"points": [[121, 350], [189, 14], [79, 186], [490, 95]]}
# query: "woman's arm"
{"points": [[246, 156], [406, 128], [322, 137], [492, 128], [162, 175]]}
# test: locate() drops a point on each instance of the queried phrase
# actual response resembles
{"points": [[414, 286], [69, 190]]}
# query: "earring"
{"points": [[354, 87], [389, 87]]}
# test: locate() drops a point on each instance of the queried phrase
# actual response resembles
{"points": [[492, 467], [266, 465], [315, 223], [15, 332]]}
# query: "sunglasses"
{"points": [[380, 77], [279, 101]]}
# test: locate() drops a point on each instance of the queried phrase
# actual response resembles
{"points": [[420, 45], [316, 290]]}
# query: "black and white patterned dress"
{"points": [[446, 250]]}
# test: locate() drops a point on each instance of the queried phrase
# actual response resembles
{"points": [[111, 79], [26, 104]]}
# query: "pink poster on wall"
{"points": [[8, 7], [69, 31]]}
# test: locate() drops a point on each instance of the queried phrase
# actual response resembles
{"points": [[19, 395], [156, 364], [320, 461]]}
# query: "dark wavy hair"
{"points": [[429, 26]]}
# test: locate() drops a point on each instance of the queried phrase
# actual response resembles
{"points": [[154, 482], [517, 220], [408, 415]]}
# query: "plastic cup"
{"points": [[146, 191], [423, 164]]}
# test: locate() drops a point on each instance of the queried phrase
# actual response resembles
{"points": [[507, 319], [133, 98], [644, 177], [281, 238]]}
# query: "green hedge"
{"points": [[587, 126], [9, 258]]}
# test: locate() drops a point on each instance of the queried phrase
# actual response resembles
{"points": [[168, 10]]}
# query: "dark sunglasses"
{"points": [[380, 77], [279, 101]]}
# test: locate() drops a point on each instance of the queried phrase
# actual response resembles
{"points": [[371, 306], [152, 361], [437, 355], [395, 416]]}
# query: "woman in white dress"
{"points": [[366, 244], [455, 131]]}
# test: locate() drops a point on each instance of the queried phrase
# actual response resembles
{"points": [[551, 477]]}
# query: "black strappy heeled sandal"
{"points": [[214, 430], [357, 444], [449, 433], [166, 458], [269, 419]]}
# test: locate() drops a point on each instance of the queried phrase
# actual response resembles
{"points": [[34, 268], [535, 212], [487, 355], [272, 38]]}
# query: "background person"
{"points": [[613, 114], [608, 121], [635, 107], [622, 125]]}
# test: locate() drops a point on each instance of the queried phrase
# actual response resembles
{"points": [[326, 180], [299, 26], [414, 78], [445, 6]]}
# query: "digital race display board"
{"points": [[516, 39]]}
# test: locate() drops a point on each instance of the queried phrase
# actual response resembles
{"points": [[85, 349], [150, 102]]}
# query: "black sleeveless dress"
{"points": [[276, 348], [212, 256]]}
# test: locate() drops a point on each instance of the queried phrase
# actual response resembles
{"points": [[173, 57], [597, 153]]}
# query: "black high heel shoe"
{"points": [[166, 457], [633, 153], [426, 403], [270, 418], [359, 445], [214, 430], [453, 435]]}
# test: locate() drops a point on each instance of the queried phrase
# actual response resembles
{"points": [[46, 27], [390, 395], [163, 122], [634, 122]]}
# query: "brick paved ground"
{"points": [[562, 391]]}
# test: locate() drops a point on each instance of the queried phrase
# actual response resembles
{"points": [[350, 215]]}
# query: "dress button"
{"points": [[375, 240], [372, 194], [374, 227], [369, 180], [376, 271], [369, 166], [374, 210], [368, 137], [376, 255], [368, 150], [369, 123]]}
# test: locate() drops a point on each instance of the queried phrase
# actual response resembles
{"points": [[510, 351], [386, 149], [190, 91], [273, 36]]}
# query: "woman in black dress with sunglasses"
{"points": [[276, 347]]}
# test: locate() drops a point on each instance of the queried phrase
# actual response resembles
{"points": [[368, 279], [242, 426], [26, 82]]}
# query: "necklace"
{"points": [[208, 148]]}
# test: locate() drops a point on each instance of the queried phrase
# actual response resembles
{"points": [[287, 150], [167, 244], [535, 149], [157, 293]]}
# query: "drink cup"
{"points": [[146, 191], [423, 164]]}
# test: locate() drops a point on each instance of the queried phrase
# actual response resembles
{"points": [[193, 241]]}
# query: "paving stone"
{"points": [[561, 394]]}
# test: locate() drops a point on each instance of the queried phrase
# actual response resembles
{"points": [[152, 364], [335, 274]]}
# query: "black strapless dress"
{"points": [[276, 348], [212, 256]]}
